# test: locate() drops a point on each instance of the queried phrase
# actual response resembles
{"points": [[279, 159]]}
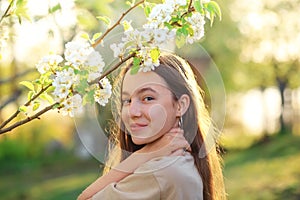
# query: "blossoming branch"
{"points": [[68, 83]]}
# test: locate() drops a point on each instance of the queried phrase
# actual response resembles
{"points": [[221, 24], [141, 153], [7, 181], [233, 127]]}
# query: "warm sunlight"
{"points": [[260, 110], [43, 33]]}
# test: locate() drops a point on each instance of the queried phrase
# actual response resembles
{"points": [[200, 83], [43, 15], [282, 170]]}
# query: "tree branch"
{"points": [[28, 119], [6, 11], [26, 104], [112, 69], [117, 23], [190, 8]]}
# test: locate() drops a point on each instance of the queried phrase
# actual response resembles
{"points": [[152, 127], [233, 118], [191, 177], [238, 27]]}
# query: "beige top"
{"points": [[164, 178]]}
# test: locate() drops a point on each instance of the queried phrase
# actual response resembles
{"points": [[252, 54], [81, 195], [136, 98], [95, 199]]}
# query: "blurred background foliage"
{"points": [[256, 49]]}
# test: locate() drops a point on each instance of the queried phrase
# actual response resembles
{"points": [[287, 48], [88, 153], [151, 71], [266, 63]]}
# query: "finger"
{"points": [[178, 152], [175, 131], [176, 125]]}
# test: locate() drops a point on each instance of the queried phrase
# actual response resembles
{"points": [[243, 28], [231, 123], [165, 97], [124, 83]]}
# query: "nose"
{"points": [[134, 109]]}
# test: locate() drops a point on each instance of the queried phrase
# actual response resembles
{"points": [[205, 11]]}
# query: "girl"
{"points": [[160, 142]]}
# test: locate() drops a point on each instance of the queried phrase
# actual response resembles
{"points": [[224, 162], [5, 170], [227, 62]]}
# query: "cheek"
{"points": [[125, 116], [158, 117]]}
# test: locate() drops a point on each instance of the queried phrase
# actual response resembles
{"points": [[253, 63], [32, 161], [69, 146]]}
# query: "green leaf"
{"points": [[56, 106], [23, 108], [191, 31], [76, 71], [50, 89], [85, 36], [155, 53], [55, 8], [136, 65], [147, 10], [198, 6], [30, 95], [212, 18], [28, 84], [214, 7], [96, 36], [82, 86], [21, 10], [130, 3], [105, 19], [47, 97], [89, 97], [180, 40], [36, 105], [184, 30], [126, 25], [169, 26]]}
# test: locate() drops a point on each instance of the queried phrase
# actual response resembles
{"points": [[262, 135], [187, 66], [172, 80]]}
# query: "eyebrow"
{"points": [[139, 91]]}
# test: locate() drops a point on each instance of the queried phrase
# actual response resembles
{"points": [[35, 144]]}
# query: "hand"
{"points": [[172, 143]]}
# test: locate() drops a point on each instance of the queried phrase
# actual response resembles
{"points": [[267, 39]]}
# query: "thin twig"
{"points": [[189, 10], [28, 119], [6, 11], [112, 69], [190, 6], [117, 23], [26, 104]]}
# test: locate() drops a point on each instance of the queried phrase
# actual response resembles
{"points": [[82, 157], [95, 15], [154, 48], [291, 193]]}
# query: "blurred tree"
{"points": [[257, 45], [270, 44], [31, 29], [222, 45]]}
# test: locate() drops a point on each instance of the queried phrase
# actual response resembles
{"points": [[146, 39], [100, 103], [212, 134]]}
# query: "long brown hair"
{"points": [[197, 125]]}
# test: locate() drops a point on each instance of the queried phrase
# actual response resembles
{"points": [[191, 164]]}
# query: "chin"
{"points": [[144, 140], [140, 141]]}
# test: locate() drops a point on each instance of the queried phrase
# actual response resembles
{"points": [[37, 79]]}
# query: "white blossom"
{"points": [[148, 63], [103, 94], [176, 3], [150, 25], [48, 62], [93, 75], [160, 35], [61, 92], [118, 49], [161, 13], [133, 36], [62, 82], [95, 62], [77, 53], [197, 22], [163, 35], [72, 105]]}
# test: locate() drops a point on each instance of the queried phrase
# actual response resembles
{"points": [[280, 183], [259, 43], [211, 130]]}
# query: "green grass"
{"points": [[54, 179], [269, 170], [265, 171]]}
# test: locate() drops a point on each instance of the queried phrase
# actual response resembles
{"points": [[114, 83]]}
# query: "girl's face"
{"points": [[148, 107]]}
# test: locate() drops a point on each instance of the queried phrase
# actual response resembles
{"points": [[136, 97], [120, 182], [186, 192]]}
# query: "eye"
{"points": [[148, 98], [126, 102]]}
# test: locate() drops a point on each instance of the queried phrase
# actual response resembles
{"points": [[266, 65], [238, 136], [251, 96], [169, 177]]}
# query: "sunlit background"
{"points": [[256, 47]]}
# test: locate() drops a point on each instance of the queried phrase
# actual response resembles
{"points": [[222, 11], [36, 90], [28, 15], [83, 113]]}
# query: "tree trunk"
{"points": [[281, 84]]}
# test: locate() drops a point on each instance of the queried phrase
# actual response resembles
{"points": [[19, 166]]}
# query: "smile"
{"points": [[137, 126]]}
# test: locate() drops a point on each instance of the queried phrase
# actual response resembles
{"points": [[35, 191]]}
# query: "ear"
{"points": [[183, 104]]}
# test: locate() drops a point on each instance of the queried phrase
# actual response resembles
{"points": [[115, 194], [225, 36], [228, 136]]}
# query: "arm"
{"points": [[169, 144]]}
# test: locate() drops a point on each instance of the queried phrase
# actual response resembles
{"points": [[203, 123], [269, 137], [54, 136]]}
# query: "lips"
{"points": [[137, 126]]}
